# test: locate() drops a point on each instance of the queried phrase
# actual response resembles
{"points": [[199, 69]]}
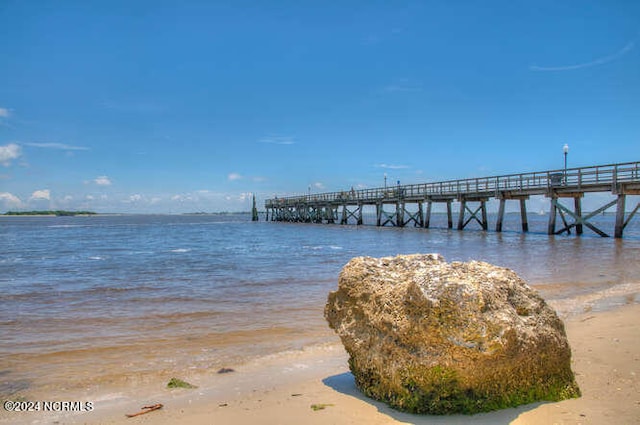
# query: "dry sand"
{"points": [[282, 389]]}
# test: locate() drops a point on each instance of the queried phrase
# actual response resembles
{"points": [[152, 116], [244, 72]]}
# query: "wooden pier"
{"points": [[472, 195]]}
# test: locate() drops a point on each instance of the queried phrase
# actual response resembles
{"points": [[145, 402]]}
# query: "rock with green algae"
{"points": [[179, 383], [427, 336]]}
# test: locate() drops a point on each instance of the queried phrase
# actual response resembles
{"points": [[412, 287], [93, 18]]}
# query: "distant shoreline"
{"points": [[96, 214], [49, 213]]}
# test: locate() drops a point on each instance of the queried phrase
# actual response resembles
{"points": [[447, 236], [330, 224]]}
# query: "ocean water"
{"points": [[89, 304]]}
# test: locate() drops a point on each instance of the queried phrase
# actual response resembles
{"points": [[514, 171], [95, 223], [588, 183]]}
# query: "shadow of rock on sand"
{"points": [[345, 384]]}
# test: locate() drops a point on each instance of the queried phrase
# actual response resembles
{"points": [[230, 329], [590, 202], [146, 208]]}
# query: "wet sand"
{"points": [[281, 389]]}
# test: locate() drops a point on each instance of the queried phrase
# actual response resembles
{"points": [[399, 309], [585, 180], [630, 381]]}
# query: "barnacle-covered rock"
{"points": [[427, 336]]}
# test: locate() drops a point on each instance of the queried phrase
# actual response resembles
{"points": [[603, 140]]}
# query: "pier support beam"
{"points": [[426, 220], [399, 214], [620, 215], [482, 208], [523, 214], [347, 214], [577, 207], [330, 214], [384, 217], [416, 218], [500, 215], [621, 222], [551, 228], [579, 220], [523, 211]]}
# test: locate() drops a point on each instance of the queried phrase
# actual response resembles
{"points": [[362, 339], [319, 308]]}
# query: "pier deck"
{"points": [[472, 195]]}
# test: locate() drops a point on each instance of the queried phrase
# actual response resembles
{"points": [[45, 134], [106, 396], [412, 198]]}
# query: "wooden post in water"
{"points": [[463, 205], [523, 214], [378, 214], [578, 210], [503, 201], [399, 214], [620, 224], [254, 210], [485, 223], [551, 229], [428, 216], [420, 222], [449, 215], [360, 207]]}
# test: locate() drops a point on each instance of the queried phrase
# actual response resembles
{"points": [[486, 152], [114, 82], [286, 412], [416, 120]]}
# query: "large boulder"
{"points": [[427, 336]]}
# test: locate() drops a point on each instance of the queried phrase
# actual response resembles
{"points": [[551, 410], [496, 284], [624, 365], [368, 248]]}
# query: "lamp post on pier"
{"points": [[565, 149], [385, 181]]}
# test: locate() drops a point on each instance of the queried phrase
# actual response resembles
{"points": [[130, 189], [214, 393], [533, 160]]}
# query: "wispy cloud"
{"points": [[102, 181], [54, 145], [4, 113], [234, 176], [319, 186], [402, 85], [8, 153], [278, 140], [600, 61], [137, 107], [392, 166]]}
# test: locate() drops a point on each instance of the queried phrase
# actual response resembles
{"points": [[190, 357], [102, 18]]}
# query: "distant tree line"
{"points": [[58, 213]]}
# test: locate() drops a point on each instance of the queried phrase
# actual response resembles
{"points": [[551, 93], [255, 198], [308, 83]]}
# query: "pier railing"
{"points": [[583, 179]]}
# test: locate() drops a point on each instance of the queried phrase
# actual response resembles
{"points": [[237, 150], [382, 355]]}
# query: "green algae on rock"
{"points": [[179, 383], [427, 336]]}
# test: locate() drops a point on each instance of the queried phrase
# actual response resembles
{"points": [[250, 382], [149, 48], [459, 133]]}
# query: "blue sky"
{"points": [[179, 106]]}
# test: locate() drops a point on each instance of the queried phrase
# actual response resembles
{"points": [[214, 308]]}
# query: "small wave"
{"points": [[180, 250], [604, 299], [321, 247], [96, 257], [140, 252], [313, 247]]}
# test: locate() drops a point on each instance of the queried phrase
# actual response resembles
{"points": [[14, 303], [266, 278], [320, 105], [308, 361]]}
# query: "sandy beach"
{"points": [[283, 388]]}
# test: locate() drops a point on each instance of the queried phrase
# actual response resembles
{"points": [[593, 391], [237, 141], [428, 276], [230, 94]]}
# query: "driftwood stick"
{"points": [[145, 409]]}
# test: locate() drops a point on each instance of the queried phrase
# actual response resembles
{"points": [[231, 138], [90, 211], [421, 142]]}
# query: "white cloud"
{"points": [[135, 198], [319, 186], [53, 145], [278, 140], [4, 113], [43, 194], [8, 153], [402, 85], [392, 166], [10, 200], [102, 181], [234, 176]]}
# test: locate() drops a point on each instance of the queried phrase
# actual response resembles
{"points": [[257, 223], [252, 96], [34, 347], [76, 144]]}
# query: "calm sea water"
{"points": [[90, 302]]}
